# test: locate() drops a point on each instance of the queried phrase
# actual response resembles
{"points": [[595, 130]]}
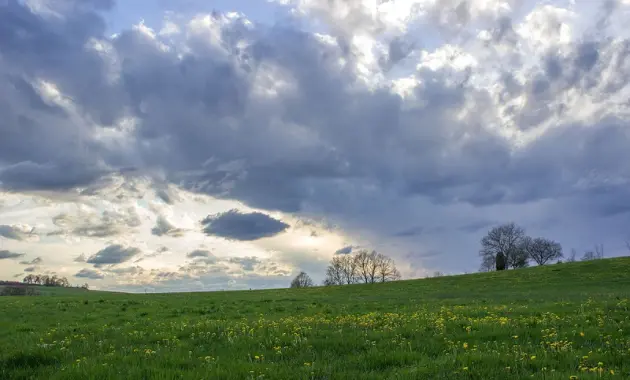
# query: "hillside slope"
{"points": [[553, 322]]}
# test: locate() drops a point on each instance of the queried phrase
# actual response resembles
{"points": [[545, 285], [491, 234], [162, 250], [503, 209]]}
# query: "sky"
{"points": [[213, 145]]}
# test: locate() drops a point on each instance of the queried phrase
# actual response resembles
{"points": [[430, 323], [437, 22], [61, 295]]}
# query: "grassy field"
{"points": [[567, 321]]}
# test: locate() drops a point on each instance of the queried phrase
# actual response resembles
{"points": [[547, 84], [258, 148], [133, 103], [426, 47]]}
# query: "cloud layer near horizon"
{"points": [[411, 126]]}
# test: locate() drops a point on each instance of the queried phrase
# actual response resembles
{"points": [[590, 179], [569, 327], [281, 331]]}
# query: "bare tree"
{"points": [[506, 239], [542, 250], [597, 254], [387, 269], [342, 270], [362, 267], [334, 272], [571, 257], [487, 264], [367, 266], [63, 282], [599, 251], [302, 280], [349, 269]]}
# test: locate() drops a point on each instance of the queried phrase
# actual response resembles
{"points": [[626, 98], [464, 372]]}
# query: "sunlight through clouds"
{"points": [[406, 126]]}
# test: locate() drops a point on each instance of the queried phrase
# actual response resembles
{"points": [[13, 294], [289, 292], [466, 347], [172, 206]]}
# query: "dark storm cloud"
{"points": [[4, 254], [41, 47], [270, 117], [28, 175], [10, 232], [89, 273], [234, 225], [112, 255], [280, 171]]}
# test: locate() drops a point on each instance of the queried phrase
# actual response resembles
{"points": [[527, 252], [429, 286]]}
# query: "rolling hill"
{"points": [[563, 321]]}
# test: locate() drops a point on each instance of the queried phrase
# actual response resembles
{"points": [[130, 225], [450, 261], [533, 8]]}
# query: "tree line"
{"points": [[508, 247], [46, 280], [363, 267]]}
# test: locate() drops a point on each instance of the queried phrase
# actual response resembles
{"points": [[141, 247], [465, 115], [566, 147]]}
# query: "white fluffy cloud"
{"points": [[411, 126]]}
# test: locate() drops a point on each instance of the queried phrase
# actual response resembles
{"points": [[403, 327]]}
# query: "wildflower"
{"points": [[465, 345], [581, 333], [533, 357], [573, 377], [465, 368], [612, 371]]}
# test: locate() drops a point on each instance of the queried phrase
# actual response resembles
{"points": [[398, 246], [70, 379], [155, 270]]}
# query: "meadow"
{"points": [[564, 321]]}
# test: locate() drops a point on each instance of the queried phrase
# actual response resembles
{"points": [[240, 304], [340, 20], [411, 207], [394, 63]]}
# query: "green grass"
{"points": [[553, 322]]}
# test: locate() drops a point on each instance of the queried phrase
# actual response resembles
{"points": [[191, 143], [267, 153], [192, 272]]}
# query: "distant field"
{"points": [[53, 291], [566, 321]]}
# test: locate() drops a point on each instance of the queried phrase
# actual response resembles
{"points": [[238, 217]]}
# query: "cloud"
{"points": [[88, 223], [246, 263], [345, 250], [35, 261], [167, 194], [10, 232], [17, 232], [113, 255], [411, 232], [235, 225], [164, 228], [80, 259], [128, 271], [30, 269], [199, 253], [89, 273], [504, 110], [4, 254]]}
